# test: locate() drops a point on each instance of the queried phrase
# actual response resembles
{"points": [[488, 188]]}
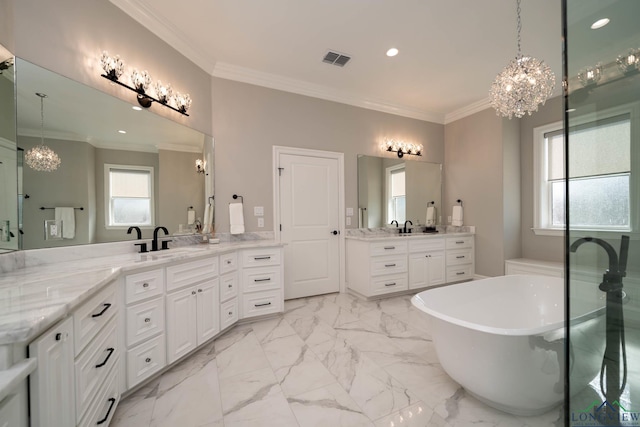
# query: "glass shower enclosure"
{"points": [[601, 197]]}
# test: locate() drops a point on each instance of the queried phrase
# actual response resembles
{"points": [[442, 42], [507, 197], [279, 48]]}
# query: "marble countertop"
{"points": [[34, 298], [388, 236]]}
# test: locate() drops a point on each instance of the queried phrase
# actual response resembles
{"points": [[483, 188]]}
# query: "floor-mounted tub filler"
{"points": [[502, 338]]}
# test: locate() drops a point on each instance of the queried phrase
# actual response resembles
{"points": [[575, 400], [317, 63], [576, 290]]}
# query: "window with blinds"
{"points": [[129, 196], [396, 194]]}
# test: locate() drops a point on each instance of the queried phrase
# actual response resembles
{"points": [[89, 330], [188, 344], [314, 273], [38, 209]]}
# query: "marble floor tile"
{"points": [[416, 415], [267, 330], [312, 330], [328, 406], [331, 313], [238, 353], [296, 367], [137, 408], [371, 342]]}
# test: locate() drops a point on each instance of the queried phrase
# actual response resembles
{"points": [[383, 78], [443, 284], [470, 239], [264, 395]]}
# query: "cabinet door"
{"points": [[10, 412], [208, 312], [437, 270], [418, 270], [52, 394], [181, 323]]}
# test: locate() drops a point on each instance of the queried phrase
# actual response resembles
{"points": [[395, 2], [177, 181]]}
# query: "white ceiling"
{"points": [[450, 50]]}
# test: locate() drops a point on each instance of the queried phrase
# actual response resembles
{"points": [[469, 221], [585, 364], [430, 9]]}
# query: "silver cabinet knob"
{"points": [[147, 320], [148, 359], [145, 285]]}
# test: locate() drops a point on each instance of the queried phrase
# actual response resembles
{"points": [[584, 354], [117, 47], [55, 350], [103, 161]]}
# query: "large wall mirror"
{"points": [[397, 189], [120, 166]]}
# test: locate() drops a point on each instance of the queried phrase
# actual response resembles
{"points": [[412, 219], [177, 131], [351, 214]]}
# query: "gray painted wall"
{"points": [[545, 248], [68, 36], [248, 120]]}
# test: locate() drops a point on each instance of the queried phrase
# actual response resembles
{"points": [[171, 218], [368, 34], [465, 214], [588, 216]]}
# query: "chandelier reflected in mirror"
{"points": [[524, 84], [41, 157]]}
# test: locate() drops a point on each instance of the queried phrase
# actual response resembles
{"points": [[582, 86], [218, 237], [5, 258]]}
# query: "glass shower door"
{"points": [[601, 193]]}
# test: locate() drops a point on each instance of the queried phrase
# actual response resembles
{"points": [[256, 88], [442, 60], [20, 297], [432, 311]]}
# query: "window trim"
{"points": [[107, 195], [541, 195], [388, 172]]}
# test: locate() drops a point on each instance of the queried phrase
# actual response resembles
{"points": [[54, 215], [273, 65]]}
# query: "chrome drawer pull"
{"points": [[112, 400], [148, 359], [110, 350], [389, 265], [390, 284], [228, 261], [262, 280], [145, 285], [262, 305], [258, 258], [389, 247], [231, 313], [147, 320], [230, 286], [460, 256], [193, 292], [460, 273], [106, 307]]}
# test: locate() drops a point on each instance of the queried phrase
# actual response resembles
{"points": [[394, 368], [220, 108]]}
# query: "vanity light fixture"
{"points": [[590, 75], [524, 83], [403, 148], [200, 166], [113, 68], [41, 157], [630, 61]]}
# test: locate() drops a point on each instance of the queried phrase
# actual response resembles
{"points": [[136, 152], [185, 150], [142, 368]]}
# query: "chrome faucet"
{"points": [[143, 245], [154, 242], [405, 229]]}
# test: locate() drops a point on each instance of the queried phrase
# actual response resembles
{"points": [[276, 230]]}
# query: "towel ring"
{"points": [[235, 196]]}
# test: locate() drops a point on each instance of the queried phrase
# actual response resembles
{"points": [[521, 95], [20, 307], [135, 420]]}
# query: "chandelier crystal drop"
{"points": [[524, 84], [41, 157]]}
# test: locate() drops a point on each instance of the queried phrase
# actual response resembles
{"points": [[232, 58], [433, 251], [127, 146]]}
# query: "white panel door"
{"points": [[181, 323], [309, 214], [208, 310]]}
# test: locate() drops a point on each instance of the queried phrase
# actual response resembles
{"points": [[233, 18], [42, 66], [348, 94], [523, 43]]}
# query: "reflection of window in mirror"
{"points": [[396, 194], [129, 196]]}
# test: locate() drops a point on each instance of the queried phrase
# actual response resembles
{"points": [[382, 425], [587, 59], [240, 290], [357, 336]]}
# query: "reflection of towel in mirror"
{"points": [[456, 216], [431, 216], [208, 219], [68, 218], [236, 218]]}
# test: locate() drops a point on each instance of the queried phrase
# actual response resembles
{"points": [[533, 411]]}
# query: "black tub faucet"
{"points": [[154, 242], [143, 245], [612, 278]]}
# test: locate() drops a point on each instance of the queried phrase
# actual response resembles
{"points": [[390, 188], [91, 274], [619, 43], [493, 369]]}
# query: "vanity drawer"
{"points": [[92, 366], [459, 242], [387, 284], [388, 265], [259, 303], [259, 257], [144, 320], [101, 410], [228, 313], [143, 285], [189, 273], [145, 360], [257, 279], [462, 256], [459, 273], [228, 286], [228, 262], [391, 247], [426, 245], [92, 316]]}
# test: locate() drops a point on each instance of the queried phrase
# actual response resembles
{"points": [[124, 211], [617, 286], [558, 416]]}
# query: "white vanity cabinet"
{"points": [[144, 325], [262, 282], [383, 266], [427, 262], [229, 285], [192, 302], [377, 268], [10, 415]]}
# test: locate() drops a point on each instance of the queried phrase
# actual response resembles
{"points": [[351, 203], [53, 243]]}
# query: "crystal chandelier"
{"points": [[41, 157], [524, 83]]}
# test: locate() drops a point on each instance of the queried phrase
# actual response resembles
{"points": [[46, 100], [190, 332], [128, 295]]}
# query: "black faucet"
{"points": [[154, 242], [391, 223], [615, 341], [143, 245], [405, 229]]}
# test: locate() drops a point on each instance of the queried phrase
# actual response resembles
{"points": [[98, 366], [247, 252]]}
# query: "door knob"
{"points": [[335, 232]]}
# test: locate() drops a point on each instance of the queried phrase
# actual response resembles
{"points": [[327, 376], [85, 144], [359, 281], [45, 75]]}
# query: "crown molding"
{"points": [[179, 147], [166, 31], [63, 136], [246, 75], [470, 109]]}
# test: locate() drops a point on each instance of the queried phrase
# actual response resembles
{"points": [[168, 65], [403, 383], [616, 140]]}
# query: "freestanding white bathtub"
{"points": [[502, 338]]}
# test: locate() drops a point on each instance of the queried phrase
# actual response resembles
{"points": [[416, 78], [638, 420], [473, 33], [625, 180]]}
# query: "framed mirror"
{"points": [[98, 138], [393, 189]]}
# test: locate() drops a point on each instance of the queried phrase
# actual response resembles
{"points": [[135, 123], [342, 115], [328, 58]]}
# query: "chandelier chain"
{"points": [[519, 26], [41, 119]]}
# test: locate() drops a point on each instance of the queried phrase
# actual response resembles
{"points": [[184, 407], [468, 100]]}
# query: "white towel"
{"points": [[236, 218], [191, 216], [209, 218], [456, 216], [68, 218], [431, 216]]}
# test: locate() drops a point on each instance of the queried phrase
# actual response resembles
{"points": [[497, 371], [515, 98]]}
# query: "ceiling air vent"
{"points": [[336, 58]]}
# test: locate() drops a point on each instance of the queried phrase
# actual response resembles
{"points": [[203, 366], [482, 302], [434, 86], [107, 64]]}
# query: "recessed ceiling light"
{"points": [[571, 110], [599, 23], [137, 108], [392, 52], [122, 131]]}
